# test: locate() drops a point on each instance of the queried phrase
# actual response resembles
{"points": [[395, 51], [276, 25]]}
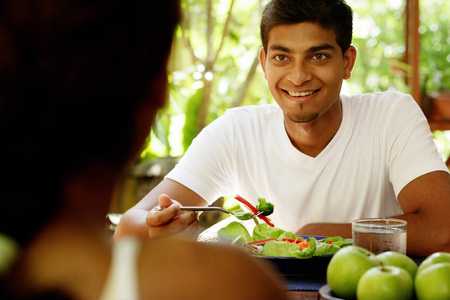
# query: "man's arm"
{"points": [[426, 205], [144, 222]]}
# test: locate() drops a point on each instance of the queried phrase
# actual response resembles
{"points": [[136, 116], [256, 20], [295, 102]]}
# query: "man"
{"points": [[323, 159]]}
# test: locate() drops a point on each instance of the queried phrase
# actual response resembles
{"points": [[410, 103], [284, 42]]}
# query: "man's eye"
{"points": [[319, 56], [280, 58]]}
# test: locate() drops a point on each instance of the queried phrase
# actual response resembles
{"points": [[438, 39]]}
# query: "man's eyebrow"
{"points": [[321, 47], [279, 47]]}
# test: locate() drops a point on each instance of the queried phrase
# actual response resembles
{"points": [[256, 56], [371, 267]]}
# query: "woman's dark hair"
{"points": [[73, 73], [330, 14]]}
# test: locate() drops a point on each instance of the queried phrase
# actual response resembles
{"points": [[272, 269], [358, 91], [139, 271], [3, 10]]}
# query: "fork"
{"points": [[205, 208], [239, 215]]}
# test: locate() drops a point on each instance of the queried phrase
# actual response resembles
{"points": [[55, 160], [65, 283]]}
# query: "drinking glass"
{"points": [[380, 234]]}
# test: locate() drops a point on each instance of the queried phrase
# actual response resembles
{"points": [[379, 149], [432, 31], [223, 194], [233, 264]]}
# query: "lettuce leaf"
{"points": [[279, 248], [264, 231], [289, 235], [237, 233], [337, 242]]}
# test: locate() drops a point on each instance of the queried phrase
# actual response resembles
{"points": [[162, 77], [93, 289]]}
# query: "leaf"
{"points": [[241, 214], [277, 248], [190, 125], [264, 232], [288, 235], [161, 129], [233, 231]]}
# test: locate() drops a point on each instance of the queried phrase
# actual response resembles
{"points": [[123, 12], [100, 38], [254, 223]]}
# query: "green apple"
{"points": [[433, 282], [434, 258], [397, 259], [385, 282], [346, 268]]}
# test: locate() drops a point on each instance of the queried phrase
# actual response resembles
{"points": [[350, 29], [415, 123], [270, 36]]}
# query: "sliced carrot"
{"points": [[247, 204], [254, 210], [255, 251], [303, 244]]}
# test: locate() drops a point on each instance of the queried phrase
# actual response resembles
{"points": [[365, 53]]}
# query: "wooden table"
{"points": [[304, 287], [303, 295]]}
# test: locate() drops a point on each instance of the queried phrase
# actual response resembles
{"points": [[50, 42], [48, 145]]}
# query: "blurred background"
{"points": [[402, 45]]}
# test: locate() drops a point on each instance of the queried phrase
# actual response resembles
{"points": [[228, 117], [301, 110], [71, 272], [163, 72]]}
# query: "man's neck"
{"points": [[312, 138]]}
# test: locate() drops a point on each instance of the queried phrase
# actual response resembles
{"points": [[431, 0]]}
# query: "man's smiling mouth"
{"points": [[300, 94]]}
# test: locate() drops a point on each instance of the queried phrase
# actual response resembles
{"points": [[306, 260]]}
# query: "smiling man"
{"points": [[305, 78], [321, 157]]}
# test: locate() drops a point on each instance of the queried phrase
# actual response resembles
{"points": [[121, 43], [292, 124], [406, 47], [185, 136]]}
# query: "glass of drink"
{"points": [[380, 234]]}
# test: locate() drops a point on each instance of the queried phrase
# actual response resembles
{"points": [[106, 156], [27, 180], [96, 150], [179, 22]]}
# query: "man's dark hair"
{"points": [[330, 14]]}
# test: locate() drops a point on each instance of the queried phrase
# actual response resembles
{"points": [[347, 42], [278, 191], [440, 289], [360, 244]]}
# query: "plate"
{"points": [[326, 293], [298, 266]]}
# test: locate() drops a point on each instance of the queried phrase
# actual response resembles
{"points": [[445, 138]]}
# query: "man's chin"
{"points": [[303, 118]]}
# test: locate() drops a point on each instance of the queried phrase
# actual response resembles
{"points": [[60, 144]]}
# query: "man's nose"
{"points": [[299, 73]]}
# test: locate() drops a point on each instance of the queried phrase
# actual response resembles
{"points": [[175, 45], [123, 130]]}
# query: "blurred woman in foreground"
{"points": [[80, 84]]}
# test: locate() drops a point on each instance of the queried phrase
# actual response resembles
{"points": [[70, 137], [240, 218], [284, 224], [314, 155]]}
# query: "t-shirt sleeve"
{"points": [[205, 166], [411, 149]]}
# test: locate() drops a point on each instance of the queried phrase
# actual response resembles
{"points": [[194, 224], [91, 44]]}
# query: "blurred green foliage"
{"points": [[442, 141], [215, 60]]}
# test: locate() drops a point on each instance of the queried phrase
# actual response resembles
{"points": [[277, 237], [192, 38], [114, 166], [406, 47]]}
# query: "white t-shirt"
{"points": [[383, 143]]}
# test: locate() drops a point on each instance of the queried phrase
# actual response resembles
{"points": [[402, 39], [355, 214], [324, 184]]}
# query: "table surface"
{"points": [[303, 295], [304, 286]]}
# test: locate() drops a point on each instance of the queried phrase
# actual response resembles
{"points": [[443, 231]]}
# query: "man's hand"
{"points": [[144, 221], [167, 219]]}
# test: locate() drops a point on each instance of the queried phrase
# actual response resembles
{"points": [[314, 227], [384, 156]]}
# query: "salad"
{"points": [[268, 240], [262, 210]]}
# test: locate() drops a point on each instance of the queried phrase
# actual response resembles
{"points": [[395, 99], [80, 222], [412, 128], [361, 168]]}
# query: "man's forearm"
{"points": [[423, 239], [426, 236], [425, 202], [327, 229]]}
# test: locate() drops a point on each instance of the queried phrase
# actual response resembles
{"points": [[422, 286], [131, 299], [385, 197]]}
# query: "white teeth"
{"points": [[301, 94]]}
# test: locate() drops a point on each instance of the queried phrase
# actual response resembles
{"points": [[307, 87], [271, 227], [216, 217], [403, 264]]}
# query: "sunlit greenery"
{"points": [[202, 77], [442, 140]]}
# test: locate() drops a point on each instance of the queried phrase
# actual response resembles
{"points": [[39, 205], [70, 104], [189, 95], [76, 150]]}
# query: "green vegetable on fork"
{"points": [[261, 211], [264, 207]]}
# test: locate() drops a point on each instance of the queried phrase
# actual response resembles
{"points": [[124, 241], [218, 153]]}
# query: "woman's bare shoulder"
{"points": [[174, 268]]}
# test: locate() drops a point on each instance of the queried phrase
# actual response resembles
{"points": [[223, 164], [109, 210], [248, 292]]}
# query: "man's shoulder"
{"points": [[389, 96], [254, 112], [255, 109], [378, 101]]}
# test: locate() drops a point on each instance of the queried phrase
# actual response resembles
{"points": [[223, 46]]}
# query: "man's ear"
{"points": [[262, 59], [349, 61]]}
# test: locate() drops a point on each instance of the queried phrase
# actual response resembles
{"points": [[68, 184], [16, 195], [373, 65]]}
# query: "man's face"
{"points": [[304, 68]]}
